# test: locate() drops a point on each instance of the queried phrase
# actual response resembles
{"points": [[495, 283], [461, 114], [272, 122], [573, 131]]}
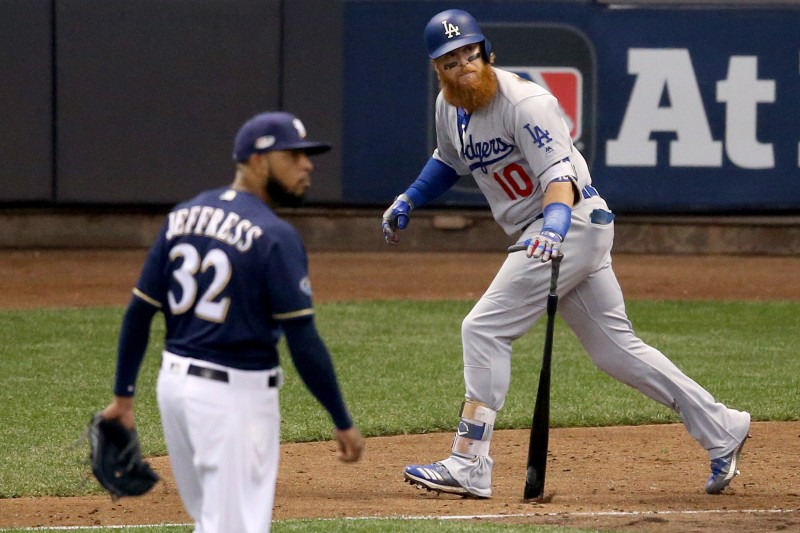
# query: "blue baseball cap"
{"points": [[274, 130]]}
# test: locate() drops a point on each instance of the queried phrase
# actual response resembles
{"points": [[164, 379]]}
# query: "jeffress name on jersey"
{"points": [[213, 222]]}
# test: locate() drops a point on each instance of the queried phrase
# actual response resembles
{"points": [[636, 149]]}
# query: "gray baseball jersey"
{"points": [[507, 146]]}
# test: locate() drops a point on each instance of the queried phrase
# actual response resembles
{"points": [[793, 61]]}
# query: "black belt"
{"points": [[221, 375]]}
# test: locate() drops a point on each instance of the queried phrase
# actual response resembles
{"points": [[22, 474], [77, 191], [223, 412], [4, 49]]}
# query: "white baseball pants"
{"points": [[223, 440]]}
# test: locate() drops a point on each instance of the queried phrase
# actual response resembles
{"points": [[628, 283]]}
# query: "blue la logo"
{"points": [[540, 136]]}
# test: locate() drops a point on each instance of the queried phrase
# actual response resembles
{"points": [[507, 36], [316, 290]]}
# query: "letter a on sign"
{"points": [[450, 30]]}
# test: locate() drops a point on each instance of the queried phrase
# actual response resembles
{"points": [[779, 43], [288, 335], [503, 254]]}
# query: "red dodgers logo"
{"points": [[566, 84]]}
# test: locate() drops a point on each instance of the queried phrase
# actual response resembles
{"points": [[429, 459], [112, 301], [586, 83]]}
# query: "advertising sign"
{"points": [[681, 110]]}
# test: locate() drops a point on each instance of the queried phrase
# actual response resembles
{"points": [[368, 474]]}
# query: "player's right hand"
{"points": [[120, 409], [544, 245], [351, 444], [395, 218]]}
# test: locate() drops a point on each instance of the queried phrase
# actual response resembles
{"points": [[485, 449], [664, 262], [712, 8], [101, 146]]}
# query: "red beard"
{"points": [[473, 95]]}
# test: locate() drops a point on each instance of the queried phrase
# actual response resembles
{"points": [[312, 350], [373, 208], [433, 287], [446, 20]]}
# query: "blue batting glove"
{"points": [[396, 218], [544, 245]]}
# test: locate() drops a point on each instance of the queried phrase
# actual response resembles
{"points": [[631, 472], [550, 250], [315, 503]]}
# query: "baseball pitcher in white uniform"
{"points": [[510, 135]]}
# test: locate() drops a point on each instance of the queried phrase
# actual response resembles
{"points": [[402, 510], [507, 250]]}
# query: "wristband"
{"points": [[557, 218]]}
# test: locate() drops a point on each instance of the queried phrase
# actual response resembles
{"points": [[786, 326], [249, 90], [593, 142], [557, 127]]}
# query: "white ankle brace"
{"points": [[475, 429]]}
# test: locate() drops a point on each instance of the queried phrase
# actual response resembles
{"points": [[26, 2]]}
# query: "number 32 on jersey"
{"points": [[208, 306]]}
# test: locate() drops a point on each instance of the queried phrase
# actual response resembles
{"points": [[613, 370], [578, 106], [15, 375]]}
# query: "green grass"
{"points": [[399, 365], [743, 353]]}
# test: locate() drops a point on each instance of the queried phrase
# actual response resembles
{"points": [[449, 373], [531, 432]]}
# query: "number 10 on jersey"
{"points": [[515, 181]]}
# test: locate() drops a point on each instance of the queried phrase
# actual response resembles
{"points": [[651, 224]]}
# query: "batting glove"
{"points": [[395, 218], [544, 245]]}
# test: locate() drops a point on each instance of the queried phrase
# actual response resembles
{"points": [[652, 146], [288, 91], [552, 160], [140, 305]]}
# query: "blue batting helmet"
{"points": [[453, 29]]}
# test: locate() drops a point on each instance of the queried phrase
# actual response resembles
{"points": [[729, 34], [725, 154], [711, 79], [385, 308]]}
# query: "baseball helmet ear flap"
{"points": [[487, 50], [453, 29]]}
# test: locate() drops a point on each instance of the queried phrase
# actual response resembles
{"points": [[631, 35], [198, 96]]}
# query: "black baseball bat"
{"points": [[540, 426]]}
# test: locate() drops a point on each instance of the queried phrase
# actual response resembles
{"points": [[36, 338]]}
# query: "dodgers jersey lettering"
{"points": [[212, 296], [505, 151]]}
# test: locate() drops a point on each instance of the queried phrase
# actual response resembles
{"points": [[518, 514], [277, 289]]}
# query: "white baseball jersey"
{"points": [[507, 146]]}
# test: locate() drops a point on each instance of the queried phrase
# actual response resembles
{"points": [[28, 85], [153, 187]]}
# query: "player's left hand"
{"points": [[544, 245], [395, 218]]}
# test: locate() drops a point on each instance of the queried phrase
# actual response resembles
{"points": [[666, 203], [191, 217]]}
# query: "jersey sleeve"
{"points": [[541, 133], [152, 284], [435, 179], [287, 276], [148, 297], [315, 367], [133, 339]]}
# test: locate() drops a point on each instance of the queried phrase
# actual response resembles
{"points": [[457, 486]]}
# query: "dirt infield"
{"points": [[646, 478]]}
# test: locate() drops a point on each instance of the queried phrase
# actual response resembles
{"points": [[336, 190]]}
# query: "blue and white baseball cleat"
{"points": [[437, 478], [724, 469]]}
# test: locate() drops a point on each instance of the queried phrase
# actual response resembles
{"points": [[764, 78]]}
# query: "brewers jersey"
{"points": [[221, 304]]}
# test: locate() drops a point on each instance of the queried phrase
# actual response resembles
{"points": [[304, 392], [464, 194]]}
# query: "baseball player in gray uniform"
{"points": [[511, 136]]}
